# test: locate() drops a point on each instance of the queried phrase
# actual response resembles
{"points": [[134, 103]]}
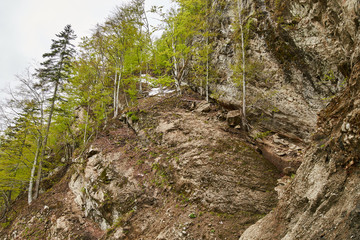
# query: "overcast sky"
{"points": [[27, 27]]}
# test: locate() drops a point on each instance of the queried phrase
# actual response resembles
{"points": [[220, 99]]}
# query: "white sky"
{"points": [[27, 27]]}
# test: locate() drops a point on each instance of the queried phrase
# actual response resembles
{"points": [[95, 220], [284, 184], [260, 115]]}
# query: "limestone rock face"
{"points": [[323, 200], [299, 55]]}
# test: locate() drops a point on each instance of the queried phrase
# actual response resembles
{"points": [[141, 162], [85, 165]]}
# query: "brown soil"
{"points": [[182, 175]]}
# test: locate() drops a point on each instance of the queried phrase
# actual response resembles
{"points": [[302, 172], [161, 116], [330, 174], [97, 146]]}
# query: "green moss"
{"points": [[192, 215], [103, 176], [261, 135], [120, 222], [133, 116]]}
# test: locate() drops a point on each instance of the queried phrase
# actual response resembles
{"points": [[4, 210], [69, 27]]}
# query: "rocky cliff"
{"points": [[322, 202], [299, 55]]}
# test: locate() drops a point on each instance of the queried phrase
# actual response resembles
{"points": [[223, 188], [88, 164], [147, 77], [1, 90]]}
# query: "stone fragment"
{"points": [[345, 127], [281, 154], [233, 118], [221, 116], [203, 107], [92, 151], [289, 170]]}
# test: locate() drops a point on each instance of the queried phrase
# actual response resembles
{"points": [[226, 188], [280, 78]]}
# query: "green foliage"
{"points": [[329, 77], [78, 90], [192, 215], [177, 46], [133, 116], [252, 68], [261, 135]]}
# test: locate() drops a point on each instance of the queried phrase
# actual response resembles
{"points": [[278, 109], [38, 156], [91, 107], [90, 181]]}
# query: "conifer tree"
{"points": [[54, 72]]}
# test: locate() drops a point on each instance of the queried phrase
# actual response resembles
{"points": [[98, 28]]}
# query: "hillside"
{"points": [[176, 166]]}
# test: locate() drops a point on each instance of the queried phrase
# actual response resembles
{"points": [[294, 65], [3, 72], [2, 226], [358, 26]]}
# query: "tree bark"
{"points": [[32, 176], [45, 142], [240, 7]]}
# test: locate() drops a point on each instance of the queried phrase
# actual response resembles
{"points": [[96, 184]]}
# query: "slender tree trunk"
{"points": [[207, 69], [140, 87], [87, 121], [32, 176], [38, 149], [240, 7], [176, 69], [37, 187], [115, 80], [207, 56], [118, 93], [140, 63]]}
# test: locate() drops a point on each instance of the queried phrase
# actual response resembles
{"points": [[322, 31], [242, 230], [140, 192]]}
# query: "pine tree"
{"points": [[54, 72]]}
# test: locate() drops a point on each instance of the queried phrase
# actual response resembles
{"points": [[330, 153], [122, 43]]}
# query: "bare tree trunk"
{"points": [[140, 63], [32, 176], [115, 79], [140, 87], [207, 57], [118, 93], [86, 121], [207, 69], [240, 7], [37, 187], [176, 69]]}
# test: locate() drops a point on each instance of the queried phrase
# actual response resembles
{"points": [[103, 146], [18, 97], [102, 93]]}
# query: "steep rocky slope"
{"points": [[172, 172]]}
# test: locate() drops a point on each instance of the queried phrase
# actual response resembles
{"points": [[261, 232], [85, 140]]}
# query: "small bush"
{"points": [[192, 215]]}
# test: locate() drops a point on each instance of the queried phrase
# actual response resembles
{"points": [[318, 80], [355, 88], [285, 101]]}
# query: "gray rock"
{"points": [[203, 107], [233, 118]]}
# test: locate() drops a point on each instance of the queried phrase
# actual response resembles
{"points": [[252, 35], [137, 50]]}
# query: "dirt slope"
{"points": [[175, 173]]}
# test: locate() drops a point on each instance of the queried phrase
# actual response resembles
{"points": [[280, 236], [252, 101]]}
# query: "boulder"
{"points": [[203, 107], [233, 118]]}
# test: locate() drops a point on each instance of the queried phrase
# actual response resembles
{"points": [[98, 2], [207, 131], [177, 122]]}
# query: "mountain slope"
{"points": [[171, 172]]}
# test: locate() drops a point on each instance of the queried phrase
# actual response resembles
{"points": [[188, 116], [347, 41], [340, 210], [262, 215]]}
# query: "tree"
{"points": [[184, 29], [240, 10], [26, 123], [55, 70]]}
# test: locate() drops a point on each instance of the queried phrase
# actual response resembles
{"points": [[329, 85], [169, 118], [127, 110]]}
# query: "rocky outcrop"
{"points": [[295, 61], [181, 176], [322, 201], [177, 172]]}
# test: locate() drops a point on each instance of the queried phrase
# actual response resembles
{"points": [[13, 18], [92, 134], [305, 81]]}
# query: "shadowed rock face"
{"points": [[299, 55], [323, 200]]}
